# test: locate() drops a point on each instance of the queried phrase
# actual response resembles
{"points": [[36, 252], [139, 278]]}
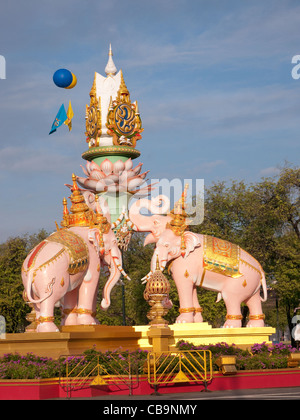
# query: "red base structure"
{"points": [[52, 388]]}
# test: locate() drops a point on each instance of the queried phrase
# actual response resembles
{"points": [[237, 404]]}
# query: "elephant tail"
{"points": [[264, 286], [48, 290]]}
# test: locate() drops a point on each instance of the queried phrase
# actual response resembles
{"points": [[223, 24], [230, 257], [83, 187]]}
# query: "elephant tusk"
{"points": [[130, 224], [147, 277], [119, 267], [119, 220]]}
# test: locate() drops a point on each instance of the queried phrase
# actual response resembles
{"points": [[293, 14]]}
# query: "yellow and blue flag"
{"points": [[70, 115], [60, 118]]}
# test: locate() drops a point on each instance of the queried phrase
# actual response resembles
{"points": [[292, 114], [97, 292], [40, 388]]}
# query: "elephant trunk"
{"points": [[115, 272], [159, 260]]}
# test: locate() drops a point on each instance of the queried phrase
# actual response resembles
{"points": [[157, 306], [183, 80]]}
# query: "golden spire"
{"points": [[65, 221], [80, 215], [178, 223], [93, 88], [65, 204], [78, 203], [123, 92]]}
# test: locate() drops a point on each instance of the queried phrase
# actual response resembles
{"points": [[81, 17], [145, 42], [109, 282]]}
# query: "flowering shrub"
{"points": [[260, 356], [262, 348], [15, 366]]}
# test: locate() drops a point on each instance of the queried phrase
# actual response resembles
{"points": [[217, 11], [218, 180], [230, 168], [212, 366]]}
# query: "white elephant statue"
{"points": [[200, 260], [65, 267]]}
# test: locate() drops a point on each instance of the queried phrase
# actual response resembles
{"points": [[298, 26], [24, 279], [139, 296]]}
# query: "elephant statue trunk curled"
{"points": [[64, 268], [201, 260]]}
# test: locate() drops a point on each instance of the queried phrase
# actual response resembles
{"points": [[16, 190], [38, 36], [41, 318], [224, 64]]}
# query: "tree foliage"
{"points": [[264, 219], [12, 254]]}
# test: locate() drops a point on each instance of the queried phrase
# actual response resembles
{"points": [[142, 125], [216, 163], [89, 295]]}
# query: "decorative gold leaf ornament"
{"points": [[93, 118], [123, 118]]}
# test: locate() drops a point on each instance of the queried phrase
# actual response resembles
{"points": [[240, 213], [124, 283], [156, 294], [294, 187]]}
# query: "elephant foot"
{"points": [[256, 321], [86, 320], [185, 318], [71, 319], [47, 327], [86, 317], [233, 321], [198, 318], [198, 315], [255, 324]]}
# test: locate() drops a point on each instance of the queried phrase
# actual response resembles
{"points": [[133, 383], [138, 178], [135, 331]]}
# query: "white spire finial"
{"points": [[110, 68]]}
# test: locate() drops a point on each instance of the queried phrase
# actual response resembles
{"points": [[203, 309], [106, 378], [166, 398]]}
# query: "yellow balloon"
{"points": [[74, 82]]}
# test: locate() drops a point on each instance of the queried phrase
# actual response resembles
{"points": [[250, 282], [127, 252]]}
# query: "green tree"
{"points": [[264, 219], [12, 254]]}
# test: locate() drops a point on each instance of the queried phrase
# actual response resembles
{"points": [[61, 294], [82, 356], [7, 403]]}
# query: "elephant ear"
{"points": [[94, 238], [191, 241]]}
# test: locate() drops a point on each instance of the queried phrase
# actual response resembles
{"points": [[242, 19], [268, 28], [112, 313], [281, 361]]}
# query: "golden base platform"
{"points": [[76, 339], [203, 334]]}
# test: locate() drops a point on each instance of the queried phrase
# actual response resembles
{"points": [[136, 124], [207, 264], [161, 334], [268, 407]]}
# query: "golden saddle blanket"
{"points": [[75, 246], [221, 256]]}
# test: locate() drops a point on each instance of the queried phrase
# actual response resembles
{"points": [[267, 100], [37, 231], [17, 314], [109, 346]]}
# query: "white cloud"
{"points": [[271, 171]]}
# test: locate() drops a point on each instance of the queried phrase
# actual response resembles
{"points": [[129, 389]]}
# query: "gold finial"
{"points": [[93, 88], [65, 221], [65, 204], [157, 264], [156, 292], [123, 92], [74, 179]]}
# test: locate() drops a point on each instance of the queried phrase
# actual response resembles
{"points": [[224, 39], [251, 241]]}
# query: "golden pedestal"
{"points": [[75, 339], [159, 338], [203, 334], [71, 340]]}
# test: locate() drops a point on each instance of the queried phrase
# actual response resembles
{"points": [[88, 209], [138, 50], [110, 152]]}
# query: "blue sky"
{"points": [[212, 78]]}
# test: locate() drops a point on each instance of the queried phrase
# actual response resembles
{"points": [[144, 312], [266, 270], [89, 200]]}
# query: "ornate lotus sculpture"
{"points": [[114, 177]]}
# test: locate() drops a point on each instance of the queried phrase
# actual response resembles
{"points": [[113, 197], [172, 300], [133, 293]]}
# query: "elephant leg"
{"points": [[198, 310], [36, 307], [256, 316], [233, 305], [86, 309], [46, 317], [185, 293], [69, 308]]}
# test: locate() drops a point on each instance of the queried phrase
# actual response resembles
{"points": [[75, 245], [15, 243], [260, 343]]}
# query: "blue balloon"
{"points": [[62, 78]]}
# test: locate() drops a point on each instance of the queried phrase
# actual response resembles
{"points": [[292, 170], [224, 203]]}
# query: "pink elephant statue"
{"points": [[201, 260], [64, 268]]}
